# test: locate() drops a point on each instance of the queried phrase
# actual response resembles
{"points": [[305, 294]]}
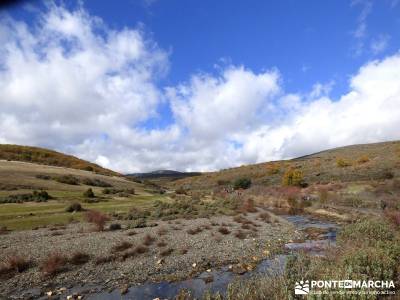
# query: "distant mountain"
{"points": [[50, 158], [171, 174]]}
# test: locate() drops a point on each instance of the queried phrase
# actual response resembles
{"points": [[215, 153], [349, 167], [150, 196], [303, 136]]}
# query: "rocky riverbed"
{"points": [[178, 250]]}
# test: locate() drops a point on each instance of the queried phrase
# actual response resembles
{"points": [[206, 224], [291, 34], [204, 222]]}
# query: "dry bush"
{"points": [[342, 163], [240, 234], [393, 217], [363, 159], [166, 252], [148, 240], [293, 177], [3, 230], [79, 258], [97, 218], [193, 231], [53, 264], [273, 169], [122, 246], [183, 250], [161, 244], [162, 231], [141, 249], [266, 217], [248, 206], [224, 230], [104, 259], [115, 226], [13, 264]]}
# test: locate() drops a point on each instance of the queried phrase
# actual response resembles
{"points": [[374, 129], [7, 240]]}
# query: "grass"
{"points": [[53, 264], [18, 216], [369, 249]]}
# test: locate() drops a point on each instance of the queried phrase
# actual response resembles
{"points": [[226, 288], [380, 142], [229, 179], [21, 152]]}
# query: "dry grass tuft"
{"points": [[53, 264], [79, 258], [224, 230], [167, 252], [193, 231], [122, 246], [148, 240], [97, 218]]}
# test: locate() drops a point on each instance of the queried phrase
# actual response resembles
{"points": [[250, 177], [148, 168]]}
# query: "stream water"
{"points": [[223, 276]]}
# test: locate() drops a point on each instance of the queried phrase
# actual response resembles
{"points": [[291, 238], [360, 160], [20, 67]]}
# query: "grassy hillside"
{"points": [[49, 157], [65, 186], [352, 163]]}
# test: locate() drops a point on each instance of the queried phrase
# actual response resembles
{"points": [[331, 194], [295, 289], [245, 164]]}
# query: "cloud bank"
{"points": [[73, 84]]}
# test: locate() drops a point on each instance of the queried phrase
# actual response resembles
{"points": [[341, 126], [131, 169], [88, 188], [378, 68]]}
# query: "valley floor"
{"points": [[180, 249]]}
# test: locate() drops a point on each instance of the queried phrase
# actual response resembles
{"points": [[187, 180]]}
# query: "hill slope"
{"points": [[50, 158], [351, 163]]}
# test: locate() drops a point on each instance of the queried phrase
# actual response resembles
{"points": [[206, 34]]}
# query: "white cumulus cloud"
{"points": [[71, 83]]}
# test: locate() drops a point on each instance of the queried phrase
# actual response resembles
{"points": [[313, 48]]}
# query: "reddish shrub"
{"points": [[161, 244], [79, 258], [193, 231], [53, 264], [393, 216], [266, 217], [13, 264], [97, 218], [148, 240], [248, 206], [141, 249], [166, 252], [121, 246], [240, 234], [224, 230]]}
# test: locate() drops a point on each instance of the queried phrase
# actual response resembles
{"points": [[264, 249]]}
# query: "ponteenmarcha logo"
{"points": [[302, 287]]}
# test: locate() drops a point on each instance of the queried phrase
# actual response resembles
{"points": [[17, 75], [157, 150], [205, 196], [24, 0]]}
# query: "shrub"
{"points": [[181, 191], [248, 206], [53, 264], [42, 176], [79, 258], [393, 217], [194, 231], [89, 193], [3, 230], [223, 182], [242, 183], [240, 234], [76, 206], [363, 159], [68, 179], [115, 226], [13, 264], [148, 240], [122, 246], [266, 217], [293, 177], [224, 230], [273, 169], [342, 163], [366, 231], [95, 182], [97, 218], [36, 196], [166, 252], [141, 249]]}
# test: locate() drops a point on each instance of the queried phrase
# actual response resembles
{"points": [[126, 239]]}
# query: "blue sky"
{"points": [[308, 42], [207, 84]]}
